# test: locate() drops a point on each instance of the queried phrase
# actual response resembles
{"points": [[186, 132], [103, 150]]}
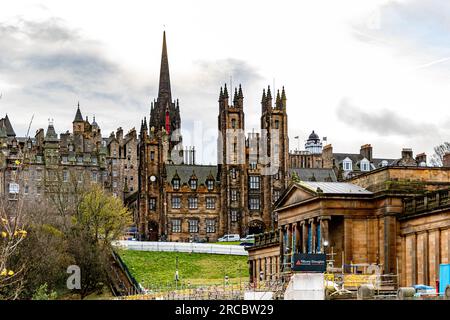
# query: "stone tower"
{"points": [[231, 160], [274, 127]]}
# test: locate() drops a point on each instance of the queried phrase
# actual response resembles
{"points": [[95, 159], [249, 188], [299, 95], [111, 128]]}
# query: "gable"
{"points": [[295, 194]]}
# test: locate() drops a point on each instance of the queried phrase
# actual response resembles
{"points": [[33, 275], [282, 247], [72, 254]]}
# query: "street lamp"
{"points": [[325, 245]]}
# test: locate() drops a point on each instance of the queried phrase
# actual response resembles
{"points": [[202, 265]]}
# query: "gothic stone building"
{"points": [[39, 166], [181, 201]]}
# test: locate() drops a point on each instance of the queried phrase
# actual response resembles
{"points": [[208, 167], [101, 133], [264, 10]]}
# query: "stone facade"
{"points": [[242, 186], [40, 166], [399, 219]]}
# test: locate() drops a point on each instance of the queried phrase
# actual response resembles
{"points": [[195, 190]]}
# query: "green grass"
{"points": [[158, 268]]}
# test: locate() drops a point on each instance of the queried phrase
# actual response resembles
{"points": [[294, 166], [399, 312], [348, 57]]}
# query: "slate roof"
{"points": [[4, 122], [184, 172], [315, 174], [335, 187]]}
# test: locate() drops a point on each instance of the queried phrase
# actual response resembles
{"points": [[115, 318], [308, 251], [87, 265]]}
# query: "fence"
{"points": [[182, 247]]}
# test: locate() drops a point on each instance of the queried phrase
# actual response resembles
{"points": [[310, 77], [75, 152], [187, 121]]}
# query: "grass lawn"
{"points": [[158, 268]]}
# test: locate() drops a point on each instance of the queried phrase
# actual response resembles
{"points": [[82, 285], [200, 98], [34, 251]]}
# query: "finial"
{"points": [[263, 95], [240, 92]]}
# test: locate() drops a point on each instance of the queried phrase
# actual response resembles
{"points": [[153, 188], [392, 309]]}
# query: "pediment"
{"points": [[295, 194]]}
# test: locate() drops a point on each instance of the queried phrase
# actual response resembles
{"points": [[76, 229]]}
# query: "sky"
{"points": [[355, 72]]}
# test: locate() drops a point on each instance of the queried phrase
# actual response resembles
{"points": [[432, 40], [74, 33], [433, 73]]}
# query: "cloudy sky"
{"points": [[354, 71]]}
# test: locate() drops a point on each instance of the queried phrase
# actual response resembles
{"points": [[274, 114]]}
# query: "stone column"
{"points": [[289, 244], [304, 236], [324, 231], [297, 238], [312, 225], [281, 240]]}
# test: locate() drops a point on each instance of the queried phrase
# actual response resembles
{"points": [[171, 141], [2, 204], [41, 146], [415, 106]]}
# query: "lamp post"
{"points": [[325, 245]]}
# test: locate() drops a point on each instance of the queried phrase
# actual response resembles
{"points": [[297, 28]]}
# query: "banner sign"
{"points": [[310, 262]]}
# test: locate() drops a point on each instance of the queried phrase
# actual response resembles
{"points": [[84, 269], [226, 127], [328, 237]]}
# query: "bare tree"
{"points": [[439, 153]]}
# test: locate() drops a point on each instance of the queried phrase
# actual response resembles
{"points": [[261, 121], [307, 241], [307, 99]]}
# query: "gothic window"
{"points": [[176, 225], [152, 204], [193, 225], [176, 202], [193, 202], [176, 184], [254, 203], [254, 182], [233, 173], [152, 155], [210, 203], [233, 123], [234, 215], [210, 225], [210, 184]]}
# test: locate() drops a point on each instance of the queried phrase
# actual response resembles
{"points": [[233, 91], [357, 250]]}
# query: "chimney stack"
{"points": [[407, 153], [366, 152], [421, 159]]}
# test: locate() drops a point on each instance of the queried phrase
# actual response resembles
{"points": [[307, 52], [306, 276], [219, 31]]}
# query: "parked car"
{"points": [[229, 238], [249, 240]]}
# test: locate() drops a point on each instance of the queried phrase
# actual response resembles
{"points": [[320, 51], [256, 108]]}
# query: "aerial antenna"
{"points": [[29, 126]]}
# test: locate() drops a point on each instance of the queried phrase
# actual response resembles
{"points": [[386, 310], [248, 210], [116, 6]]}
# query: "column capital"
{"points": [[311, 220], [325, 218], [302, 223]]}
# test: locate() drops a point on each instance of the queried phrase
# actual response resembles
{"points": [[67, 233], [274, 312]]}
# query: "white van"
{"points": [[229, 238]]}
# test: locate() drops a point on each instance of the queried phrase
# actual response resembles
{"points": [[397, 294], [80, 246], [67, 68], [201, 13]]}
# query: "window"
{"points": [[176, 202], [94, 176], [210, 184], [234, 215], [276, 195], [79, 159], [253, 203], [65, 176], [71, 147], [152, 204], [233, 173], [210, 225], [193, 225], [176, 184], [27, 188], [80, 177], [276, 176], [13, 187], [384, 163], [152, 155], [193, 184], [210, 203], [94, 160], [233, 123], [176, 225], [347, 164], [254, 182], [114, 184], [193, 202], [277, 124], [65, 159], [234, 195], [38, 158], [253, 165], [115, 173]]}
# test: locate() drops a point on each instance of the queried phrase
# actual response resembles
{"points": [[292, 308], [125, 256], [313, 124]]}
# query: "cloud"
{"points": [[408, 25], [383, 122], [46, 67]]}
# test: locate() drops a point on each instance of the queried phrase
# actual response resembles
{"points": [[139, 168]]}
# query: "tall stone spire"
{"points": [[164, 93]]}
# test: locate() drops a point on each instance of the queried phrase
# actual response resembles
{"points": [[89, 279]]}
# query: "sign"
{"points": [[309, 262]]}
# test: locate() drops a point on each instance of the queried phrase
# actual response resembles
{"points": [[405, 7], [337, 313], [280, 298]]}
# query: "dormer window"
{"points": [[384, 163], [365, 165], [176, 184], [347, 164], [193, 184], [210, 184]]}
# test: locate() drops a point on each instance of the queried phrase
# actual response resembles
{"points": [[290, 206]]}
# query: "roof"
{"points": [[315, 174], [356, 158], [8, 127], [78, 116], [334, 187], [185, 172]]}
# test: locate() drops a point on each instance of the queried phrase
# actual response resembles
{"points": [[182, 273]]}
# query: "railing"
{"points": [[431, 201], [266, 238], [123, 266], [182, 247]]}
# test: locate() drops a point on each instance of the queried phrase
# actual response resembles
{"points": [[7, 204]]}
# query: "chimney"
{"points": [[327, 156], [366, 152], [421, 158], [407, 153], [446, 160], [119, 134]]}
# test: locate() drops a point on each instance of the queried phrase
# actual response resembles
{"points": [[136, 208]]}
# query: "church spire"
{"points": [[164, 77]]}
